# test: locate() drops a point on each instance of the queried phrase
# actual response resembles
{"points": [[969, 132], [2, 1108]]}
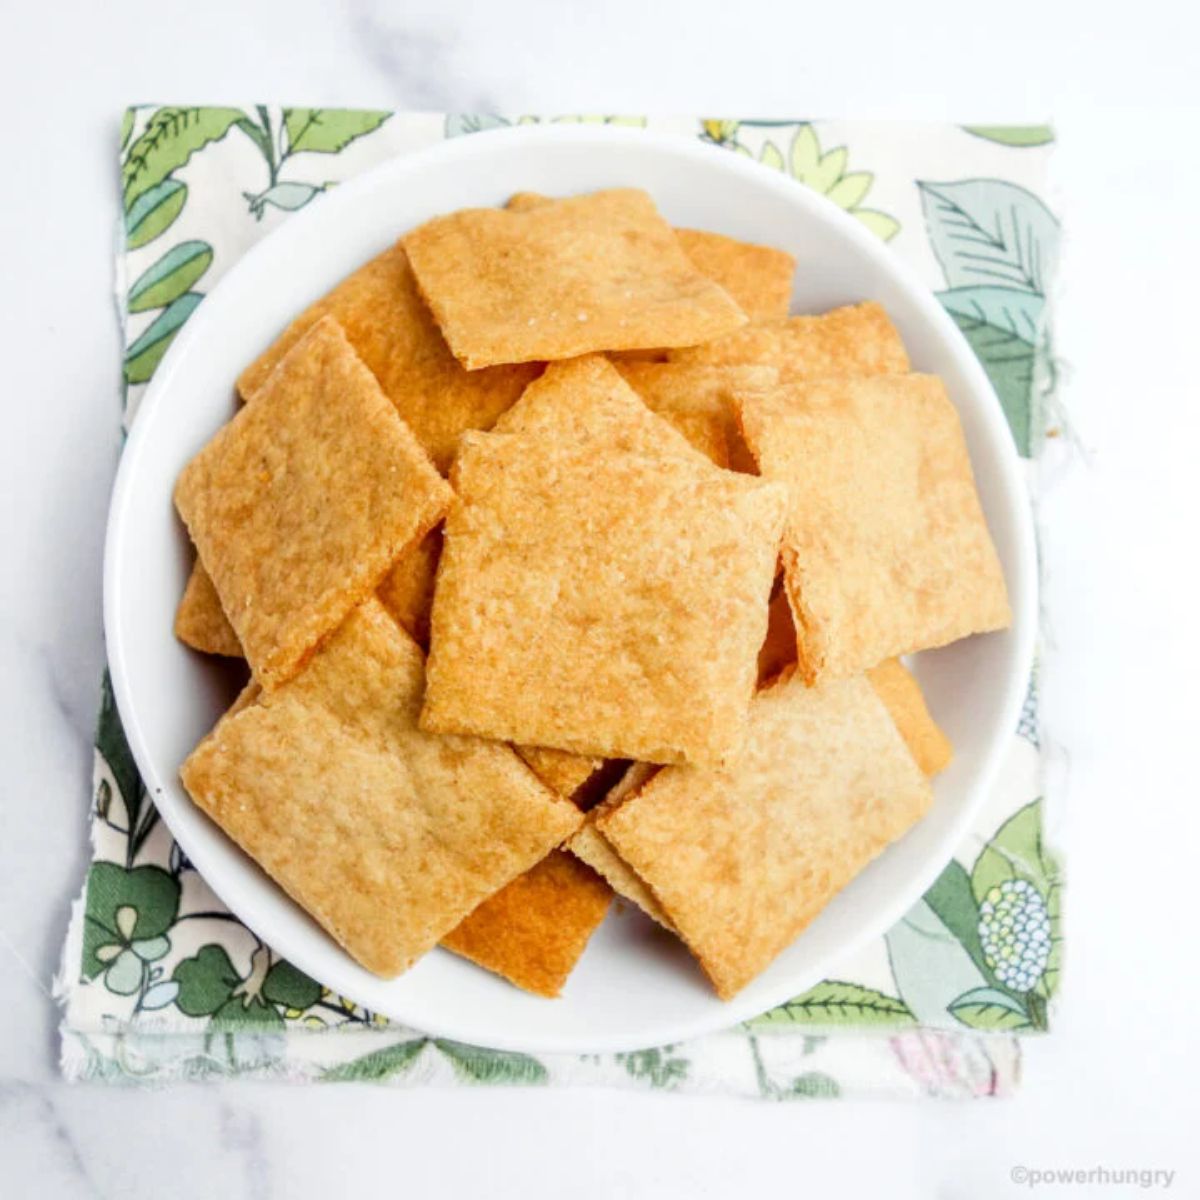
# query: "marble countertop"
{"points": [[1108, 1088]]}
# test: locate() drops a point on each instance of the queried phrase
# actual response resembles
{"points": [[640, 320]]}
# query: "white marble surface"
{"points": [[1113, 1085]]}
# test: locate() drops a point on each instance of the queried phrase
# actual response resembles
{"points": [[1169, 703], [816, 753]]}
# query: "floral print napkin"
{"points": [[161, 982]]}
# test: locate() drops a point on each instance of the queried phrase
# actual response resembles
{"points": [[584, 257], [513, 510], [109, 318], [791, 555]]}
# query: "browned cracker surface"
{"points": [[886, 549], [564, 772], [589, 844], [605, 602], [597, 272], [407, 589], [586, 402], [759, 278], [394, 333], [388, 836], [534, 930], [200, 621], [696, 399], [901, 693], [744, 857], [859, 339], [300, 504]]}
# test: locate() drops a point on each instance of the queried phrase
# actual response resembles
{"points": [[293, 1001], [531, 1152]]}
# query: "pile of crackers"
{"points": [[567, 563]]}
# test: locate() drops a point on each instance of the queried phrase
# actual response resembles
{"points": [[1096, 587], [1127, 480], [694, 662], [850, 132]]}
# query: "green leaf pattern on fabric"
{"points": [[154, 945]]}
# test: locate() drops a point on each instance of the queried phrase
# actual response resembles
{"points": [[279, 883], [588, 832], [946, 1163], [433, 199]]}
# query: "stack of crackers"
{"points": [[567, 563]]}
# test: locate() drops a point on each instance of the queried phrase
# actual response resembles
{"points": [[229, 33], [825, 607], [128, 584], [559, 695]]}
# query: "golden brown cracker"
{"points": [[407, 589], [743, 858], [696, 399], [589, 844], [597, 272], [901, 693], [604, 602], [388, 836], [759, 278], [301, 503], [887, 550], [200, 621], [565, 773], [533, 930], [586, 402], [858, 339], [392, 330]]}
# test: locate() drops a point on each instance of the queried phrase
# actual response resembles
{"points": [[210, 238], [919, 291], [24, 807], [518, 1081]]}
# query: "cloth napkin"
{"points": [[935, 1007]]}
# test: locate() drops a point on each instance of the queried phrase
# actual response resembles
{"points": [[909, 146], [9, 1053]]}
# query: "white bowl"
{"points": [[635, 986]]}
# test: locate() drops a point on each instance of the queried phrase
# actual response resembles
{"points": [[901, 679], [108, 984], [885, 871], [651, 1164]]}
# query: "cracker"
{"points": [[534, 930], [392, 330], [596, 272], [590, 845], [565, 773], [300, 504], [759, 278], [603, 602], [859, 339], [886, 550], [200, 621], [388, 836], [586, 402], [696, 399], [900, 692], [743, 858], [407, 589]]}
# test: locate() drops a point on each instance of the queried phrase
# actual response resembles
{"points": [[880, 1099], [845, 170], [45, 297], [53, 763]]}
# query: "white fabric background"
{"points": [[1113, 1085]]}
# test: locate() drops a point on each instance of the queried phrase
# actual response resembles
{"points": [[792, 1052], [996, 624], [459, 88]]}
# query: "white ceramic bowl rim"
{"points": [[293, 238]]}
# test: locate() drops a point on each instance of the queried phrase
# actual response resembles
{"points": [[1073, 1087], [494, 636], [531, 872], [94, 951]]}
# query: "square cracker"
{"points": [[533, 930], [744, 857], [600, 601], [388, 836], [302, 502], [859, 339], [697, 399], [886, 549], [393, 331], [597, 272], [900, 692], [759, 278], [200, 621]]}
